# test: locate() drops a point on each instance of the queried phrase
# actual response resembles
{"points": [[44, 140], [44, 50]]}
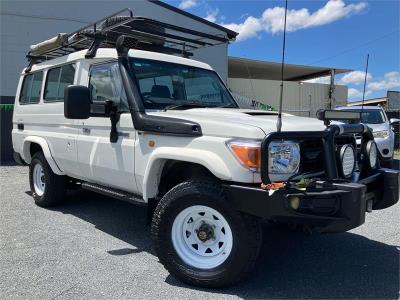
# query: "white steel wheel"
{"points": [[202, 237], [39, 182]]}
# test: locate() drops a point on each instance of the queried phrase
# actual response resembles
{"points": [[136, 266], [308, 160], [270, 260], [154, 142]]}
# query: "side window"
{"points": [[31, 87], [57, 79], [105, 84]]}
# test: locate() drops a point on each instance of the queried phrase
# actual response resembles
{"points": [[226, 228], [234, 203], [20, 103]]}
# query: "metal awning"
{"points": [[256, 69], [375, 101]]}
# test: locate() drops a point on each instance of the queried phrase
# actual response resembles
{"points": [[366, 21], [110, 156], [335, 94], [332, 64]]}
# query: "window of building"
{"points": [[106, 84], [31, 87], [57, 79]]}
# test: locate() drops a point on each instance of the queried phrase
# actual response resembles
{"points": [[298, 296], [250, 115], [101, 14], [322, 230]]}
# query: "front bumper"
{"points": [[385, 146], [329, 207]]}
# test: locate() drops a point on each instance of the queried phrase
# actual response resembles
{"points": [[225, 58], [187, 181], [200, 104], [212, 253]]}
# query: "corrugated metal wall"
{"points": [[303, 99]]}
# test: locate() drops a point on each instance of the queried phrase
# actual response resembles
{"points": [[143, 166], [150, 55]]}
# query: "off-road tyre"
{"points": [[55, 185], [246, 232]]}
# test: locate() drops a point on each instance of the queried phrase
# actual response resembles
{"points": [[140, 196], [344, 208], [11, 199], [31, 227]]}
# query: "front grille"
{"points": [[312, 156], [312, 153]]}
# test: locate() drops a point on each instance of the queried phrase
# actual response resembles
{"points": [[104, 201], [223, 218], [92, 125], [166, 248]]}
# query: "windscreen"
{"points": [[370, 116], [165, 85]]}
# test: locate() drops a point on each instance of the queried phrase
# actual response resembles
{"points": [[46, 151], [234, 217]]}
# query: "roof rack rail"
{"points": [[143, 33]]}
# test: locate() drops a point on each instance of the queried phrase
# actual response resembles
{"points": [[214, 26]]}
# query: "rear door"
{"points": [[61, 132], [103, 162]]}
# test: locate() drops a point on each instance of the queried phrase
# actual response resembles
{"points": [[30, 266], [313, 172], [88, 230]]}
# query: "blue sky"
{"points": [[333, 33]]}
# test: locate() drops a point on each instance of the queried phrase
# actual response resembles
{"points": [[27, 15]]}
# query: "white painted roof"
{"points": [[110, 53]]}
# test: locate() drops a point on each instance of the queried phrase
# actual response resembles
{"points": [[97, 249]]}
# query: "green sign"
{"points": [[6, 107]]}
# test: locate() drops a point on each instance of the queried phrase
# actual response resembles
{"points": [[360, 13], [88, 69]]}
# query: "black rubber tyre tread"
{"points": [[246, 230], [56, 185]]}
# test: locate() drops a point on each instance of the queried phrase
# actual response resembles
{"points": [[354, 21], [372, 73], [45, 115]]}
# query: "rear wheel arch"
{"points": [[34, 144]]}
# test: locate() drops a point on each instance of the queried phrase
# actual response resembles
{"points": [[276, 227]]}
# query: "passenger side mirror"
{"points": [[77, 102], [394, 121]]}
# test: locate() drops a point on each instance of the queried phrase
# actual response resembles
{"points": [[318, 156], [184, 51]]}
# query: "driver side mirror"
{"points": [[77, 102], [394, 121]]}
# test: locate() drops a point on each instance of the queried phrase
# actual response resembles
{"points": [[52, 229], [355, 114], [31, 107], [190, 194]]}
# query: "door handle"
{"points": [[86, 130]]}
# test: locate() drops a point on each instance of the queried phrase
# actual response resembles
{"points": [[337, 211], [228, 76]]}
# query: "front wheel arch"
{"points": [[209, 160]]}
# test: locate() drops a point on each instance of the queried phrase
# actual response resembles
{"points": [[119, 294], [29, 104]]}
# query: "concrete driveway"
{"points": [[95, 247]]}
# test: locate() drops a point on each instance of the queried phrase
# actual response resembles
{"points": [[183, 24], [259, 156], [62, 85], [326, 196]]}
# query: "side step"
{"points": [[114, 193]]}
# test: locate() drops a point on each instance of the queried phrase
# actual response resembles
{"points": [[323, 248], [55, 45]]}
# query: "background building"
{"points": [[259, 81], [390, 103]]}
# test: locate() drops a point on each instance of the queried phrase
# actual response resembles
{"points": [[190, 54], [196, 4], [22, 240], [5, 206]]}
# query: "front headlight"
{"points": [[381, 134], [283, 160]]}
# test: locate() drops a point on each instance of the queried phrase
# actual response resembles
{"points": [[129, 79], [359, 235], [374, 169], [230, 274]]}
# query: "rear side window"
{"points": [[31, 87], [57, 79]]}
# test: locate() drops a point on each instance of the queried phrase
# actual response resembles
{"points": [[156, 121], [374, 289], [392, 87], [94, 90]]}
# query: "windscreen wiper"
{"points": [[184, 106]]}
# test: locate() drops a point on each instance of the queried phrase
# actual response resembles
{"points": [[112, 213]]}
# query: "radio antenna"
{"points": [[279, 121], [365, 84]]}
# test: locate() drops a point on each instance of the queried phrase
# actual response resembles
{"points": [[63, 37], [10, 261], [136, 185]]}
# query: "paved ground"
{"points": [[95, 247]]}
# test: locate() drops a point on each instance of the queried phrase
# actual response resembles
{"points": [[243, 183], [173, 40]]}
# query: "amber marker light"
{"points": [[248, 153]]}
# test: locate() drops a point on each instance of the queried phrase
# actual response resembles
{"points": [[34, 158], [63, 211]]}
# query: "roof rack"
{"points": [[143, 33]]}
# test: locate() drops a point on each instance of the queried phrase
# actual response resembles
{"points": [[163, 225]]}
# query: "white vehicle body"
{"points": [[381, 129], [81, 148]]}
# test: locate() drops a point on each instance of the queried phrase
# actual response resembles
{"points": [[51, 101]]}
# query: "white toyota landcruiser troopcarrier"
{"points": [[108, 108]]}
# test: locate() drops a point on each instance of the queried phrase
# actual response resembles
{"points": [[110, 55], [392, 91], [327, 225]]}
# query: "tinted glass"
{"points": [[66, 79], [57, 80], [163, 84], [106, 84], [31, 88], [26, 87], [370, 116], [51, 90]]}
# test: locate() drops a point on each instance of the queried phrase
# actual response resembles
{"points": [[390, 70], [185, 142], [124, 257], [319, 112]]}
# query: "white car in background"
{"points": [[375, 118]]}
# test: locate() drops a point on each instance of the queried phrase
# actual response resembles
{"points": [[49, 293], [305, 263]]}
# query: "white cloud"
{"points": [[324, 80], [355, 77], [186, 4], [357, 94], [248, 29], [354, 93], [212, 15], [390, 80], [272, 19]]}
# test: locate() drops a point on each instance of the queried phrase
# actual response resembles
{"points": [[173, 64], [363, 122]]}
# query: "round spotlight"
{"points": [[372, 154], [348, 160]]}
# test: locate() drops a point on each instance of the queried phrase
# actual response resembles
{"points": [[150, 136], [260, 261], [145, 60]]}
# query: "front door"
{"points": [[103, 162]]}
